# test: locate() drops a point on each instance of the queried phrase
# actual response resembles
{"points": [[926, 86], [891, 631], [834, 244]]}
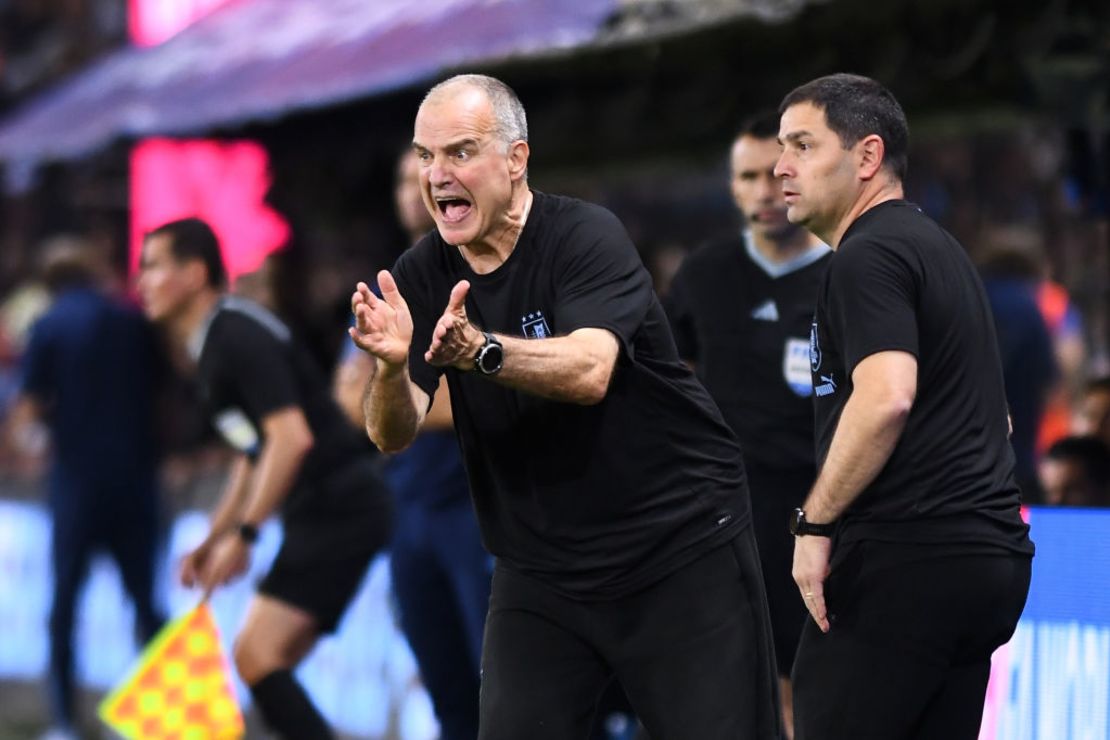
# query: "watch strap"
{"points": [[247, 532]]}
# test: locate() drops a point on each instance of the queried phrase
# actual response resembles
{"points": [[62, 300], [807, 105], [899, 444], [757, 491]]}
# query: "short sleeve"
{"points": [[677, 304], [601, 281], [414, 291], [872, 301], [260, 368]]}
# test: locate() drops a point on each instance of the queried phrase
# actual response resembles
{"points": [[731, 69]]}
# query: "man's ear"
{"points": [[518, 159], [197, 273], [870, 151]]}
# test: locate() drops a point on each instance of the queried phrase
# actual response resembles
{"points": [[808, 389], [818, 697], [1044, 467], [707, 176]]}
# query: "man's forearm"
{"points": [[574, 369], [274, 474], [229, 509], [391, 412], [863, 443]]}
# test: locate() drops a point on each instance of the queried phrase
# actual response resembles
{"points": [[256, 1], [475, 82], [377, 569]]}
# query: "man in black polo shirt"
{"points": [[740, 308], [928, 565], [605, 480], [298, 455]]}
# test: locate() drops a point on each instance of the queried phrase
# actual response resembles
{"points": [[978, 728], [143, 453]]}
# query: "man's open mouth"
{"points": [[453, 209]]}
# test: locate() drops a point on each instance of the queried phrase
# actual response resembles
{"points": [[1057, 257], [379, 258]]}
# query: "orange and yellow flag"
{"points": [[180, 689]]}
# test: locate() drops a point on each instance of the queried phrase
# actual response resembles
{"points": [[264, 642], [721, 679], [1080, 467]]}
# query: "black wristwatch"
{"points": [[800, 527], [247, 532], [490, 357]]}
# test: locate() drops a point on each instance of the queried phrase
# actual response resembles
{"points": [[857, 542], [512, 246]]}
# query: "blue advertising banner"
{"points": [[1052, 681]]}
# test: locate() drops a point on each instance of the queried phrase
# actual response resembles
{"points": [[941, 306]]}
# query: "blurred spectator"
{"points": [[1075, 471], [1011, 276], [1065, 326], [90, 366], [1093, 416], [440, 571], [18, 312]]}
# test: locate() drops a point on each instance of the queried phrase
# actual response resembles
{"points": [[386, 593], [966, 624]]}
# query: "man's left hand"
{"points": [[811, 568], [455, 341]]}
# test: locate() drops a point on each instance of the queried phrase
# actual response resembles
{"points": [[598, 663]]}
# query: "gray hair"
{"points": [[510, 122]]}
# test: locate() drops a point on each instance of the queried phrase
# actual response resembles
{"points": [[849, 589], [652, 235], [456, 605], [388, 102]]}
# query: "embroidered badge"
{"points": [[814, 347], [534, 326]]}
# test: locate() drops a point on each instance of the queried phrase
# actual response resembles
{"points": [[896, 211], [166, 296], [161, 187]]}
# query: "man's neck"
{"points": [[868, 198], [183, 326], [486, 257]]}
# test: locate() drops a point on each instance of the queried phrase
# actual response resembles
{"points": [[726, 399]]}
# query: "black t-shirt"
{"points": [[250, 366], [596, 500], [900, 282], [747, 332]]}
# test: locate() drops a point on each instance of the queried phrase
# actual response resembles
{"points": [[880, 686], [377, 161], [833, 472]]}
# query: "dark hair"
{"points": [[1090, 452], [761, 125], [193, 239], [856, 107]]}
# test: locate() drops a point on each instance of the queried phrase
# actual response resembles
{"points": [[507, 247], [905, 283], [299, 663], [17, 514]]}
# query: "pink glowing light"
{"points": [[223, 183], [150, 22]]}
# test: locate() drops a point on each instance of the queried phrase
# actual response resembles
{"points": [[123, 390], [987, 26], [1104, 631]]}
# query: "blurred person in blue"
{"points": [[90, 372], [1011, 276], [605, 481], [740, 308], [296, 455], [910, 551], [439, 569], [1075, 471]]}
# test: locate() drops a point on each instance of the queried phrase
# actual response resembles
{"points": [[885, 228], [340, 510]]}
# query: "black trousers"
{"points": [[693, 653], [775, 494], [909, 647]]}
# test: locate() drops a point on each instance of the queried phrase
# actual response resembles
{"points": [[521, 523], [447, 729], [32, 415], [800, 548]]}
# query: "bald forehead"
{"points": [[462, 90]]}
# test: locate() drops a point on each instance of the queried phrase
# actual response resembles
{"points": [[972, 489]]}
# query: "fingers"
{"points": [[811, 568], [457, 302], [391, 294], [449, 344], [188, 570], [815, 603]]}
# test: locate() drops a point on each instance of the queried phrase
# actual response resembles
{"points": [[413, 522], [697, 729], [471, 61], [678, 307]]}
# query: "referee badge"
{"points": [[237, 430], [795, 366]]}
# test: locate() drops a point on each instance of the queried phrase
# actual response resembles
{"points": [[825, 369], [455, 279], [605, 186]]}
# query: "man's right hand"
{"points": [[192, 565], [383, 326]]}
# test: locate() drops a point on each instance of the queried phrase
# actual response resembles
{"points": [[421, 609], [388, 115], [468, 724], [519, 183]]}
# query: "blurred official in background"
{"points": [[741, 309], [297, 455]]}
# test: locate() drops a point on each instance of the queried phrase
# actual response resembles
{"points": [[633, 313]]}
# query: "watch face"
{"points": [[796, 518], [489, 361]]}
